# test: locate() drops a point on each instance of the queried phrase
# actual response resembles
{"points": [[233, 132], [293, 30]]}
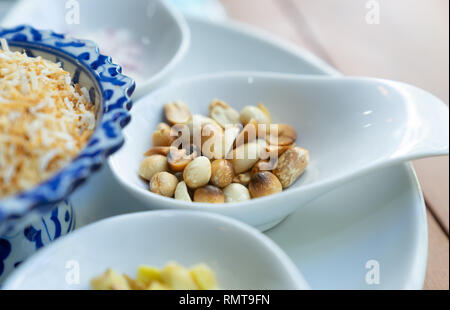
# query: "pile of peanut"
{"points": [[226, 157]]}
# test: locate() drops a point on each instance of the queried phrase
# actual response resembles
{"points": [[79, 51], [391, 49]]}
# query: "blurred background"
{"points": [[406, 40]]}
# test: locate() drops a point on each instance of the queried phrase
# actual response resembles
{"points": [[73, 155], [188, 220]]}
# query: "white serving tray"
{"points": [[379, 217], [378, 221]]}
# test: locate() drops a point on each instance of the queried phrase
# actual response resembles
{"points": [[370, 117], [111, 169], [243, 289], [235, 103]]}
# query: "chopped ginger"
{"points": [[148, 274], [203, 276], [110, 280], [156, 286], [178, 278], [172, 277]]}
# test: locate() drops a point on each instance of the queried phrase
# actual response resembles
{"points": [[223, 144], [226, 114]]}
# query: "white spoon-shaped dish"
{"points": [[241, 256], [350, 126]]}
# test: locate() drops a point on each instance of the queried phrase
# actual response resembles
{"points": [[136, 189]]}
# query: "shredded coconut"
{"points": [[44, 120]]}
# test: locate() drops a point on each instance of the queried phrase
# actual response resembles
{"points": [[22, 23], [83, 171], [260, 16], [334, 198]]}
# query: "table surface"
{"points": [[410, 43]]}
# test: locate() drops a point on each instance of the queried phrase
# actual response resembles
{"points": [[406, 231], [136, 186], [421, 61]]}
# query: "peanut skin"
{"points": [[291, 165]]}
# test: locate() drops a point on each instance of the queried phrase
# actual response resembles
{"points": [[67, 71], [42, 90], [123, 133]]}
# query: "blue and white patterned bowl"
{"points": [[109, 89], [18, 244]]}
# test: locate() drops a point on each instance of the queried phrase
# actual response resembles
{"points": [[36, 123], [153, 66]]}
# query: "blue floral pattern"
{"points": [[16, 246], [108, 88], [5, 250]]}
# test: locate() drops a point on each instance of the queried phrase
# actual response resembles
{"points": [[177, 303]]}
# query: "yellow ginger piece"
{"points": [[203, 276], [148, 274], [110, 280], [157, 286], [172, 277], [178, 277], [135, 285]]}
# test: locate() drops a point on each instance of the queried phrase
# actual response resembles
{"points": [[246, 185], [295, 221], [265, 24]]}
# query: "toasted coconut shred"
{"points": [[44, 120]]}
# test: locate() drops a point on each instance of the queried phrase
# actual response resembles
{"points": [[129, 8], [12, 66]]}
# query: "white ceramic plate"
{"points": [[155, 238], [380, 217]]}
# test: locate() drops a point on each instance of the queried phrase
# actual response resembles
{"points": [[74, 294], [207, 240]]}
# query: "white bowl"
{"points": [[241, 257], [149, 34], [349, 125]]}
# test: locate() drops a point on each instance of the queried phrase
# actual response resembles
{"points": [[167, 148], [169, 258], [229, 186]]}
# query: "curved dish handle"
{"points": [[428, 131]]}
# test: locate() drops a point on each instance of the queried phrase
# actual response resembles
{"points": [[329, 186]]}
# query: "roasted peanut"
{"points": [[250, 112], [152, 165], [263, 184], [162, 135], [195, 126], [263, 108], [221, 173], [161, 150], [212, 141], [243, 178], [248, 134], [282, 135], [245, 156], [197, 121], [178, 159], [182, 193], [230, 134], [177, 113], [236, 192], [163, 183], [209, 194], [198, 172], [278, 149], [222, 113], [291, 165], [192, 151], [264, 165]]}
